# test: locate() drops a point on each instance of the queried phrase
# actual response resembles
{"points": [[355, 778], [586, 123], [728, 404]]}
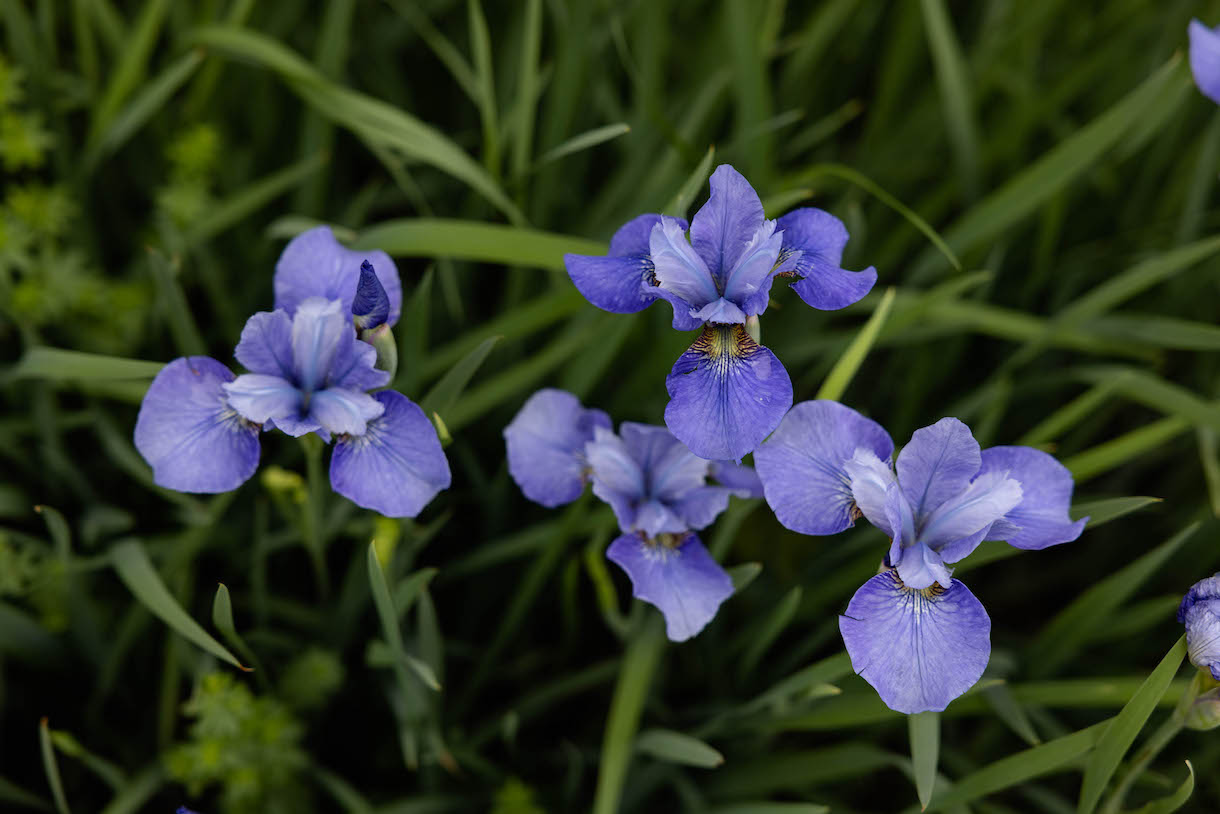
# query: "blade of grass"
{"points": [[583, 141], [52, 768], [951, 77], [482, 242], [141, 578], [679, 205], [527, 88], [1173, 802], [924, 732], [677, 747], [444, 394], [485, 85], [845, 368], [133, 62], [57, 365], [1106, 456]]}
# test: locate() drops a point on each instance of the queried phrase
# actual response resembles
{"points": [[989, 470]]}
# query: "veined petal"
{"points": [[698, 508], [188, 433], [748, 282], [937, 464], [1205, 58], [678, 269], [261, 398], [683, 582], [546, 446], [617, 476], [720, 312], [397, 466], [266, 344], [1200, 612], [670, 470], [344, 412], [318, 329], [869, 481], [919, 567], [1041, 518], [919, 649], [314, 264], [354, 366], [653, 517], [725, 225], [812, 250], [634, 236], [802, 465], [989, 497], [740, 480], [620, 285], [727, 394]]}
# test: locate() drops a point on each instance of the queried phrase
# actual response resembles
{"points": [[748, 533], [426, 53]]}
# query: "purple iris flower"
{"points": [[198, 425], [727, 392], [1205, 58], [314, 264], [658, 489], [918, 636], [1200, 612]]}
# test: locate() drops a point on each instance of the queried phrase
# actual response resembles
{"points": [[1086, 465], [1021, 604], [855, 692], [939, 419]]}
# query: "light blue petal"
{"points": [[937, 464], [698, 508], [344, 412], [678, 269], [684, 583], [670, 469], [397, 466], [725, 225], [813, 251], [318, 328], [748, 283], [546, 446], [266, 344], [617, 476], [1041, 518], [1200, 612], [261, 398], [988, 498], [189, 435], [720, 312], [314, 264], [653, 517], [1205, 58], [919, 649], [920, 567], [869, 481]]}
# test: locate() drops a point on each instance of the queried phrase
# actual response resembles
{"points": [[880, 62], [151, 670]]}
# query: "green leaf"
{"points": [[743, 574], [1010, 711], [10, 792], [845, 368], [52, 768], [1126, 726], [954, 90], [1152, 391], [57, 365], [1064, 635], [424, 671], [1101, 512], [1158, 331], [133, 62], [480, 242], [132, 798], [1173, 802], [141, 578], [222, 618], [677, 747], [583, 141], [679, 205], [772, 808], [1115, 452], [764, 634], [485, 85], [369, 118], [444, 394], [1060, 754], [527, 88], [924, 731]]}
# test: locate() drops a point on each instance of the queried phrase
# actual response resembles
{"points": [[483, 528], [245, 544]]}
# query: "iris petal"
{"points": [[937, 464], [397, 466], [318, 328], [261, 398], [919, 649], [869, 481], [683, 582], [725, 225], [802, 465], [670, 469], [678, 269], [748, 282], [344, 412], [812, 250], [1041, 518], [266, 344], [546, 443], [988, 498], [727, 394], [314, 264], [1205, 58], [617, 476], [620, 282], [188, 433], [1200, 612]]}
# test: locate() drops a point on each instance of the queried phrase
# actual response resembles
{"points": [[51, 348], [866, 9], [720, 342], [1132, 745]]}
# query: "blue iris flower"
{"points": [[658, 489], [1205, 58], [727, 392], [1200, 612], [917, 635], [198, 425]]}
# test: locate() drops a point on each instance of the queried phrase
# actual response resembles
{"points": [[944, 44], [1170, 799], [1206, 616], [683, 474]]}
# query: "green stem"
{"points": [[1151, 748], [639, 663], [311, 521]]}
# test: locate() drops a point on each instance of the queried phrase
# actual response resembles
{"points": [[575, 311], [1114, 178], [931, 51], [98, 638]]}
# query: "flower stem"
{"points": [[1151, 748], [312, 532], [635, 675]]}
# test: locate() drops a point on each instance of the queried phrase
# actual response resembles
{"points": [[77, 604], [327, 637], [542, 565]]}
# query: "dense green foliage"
{"points": [[1036, 181]]}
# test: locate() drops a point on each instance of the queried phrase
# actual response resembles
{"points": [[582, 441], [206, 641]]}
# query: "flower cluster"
{"points": [[309, 372], [727, 392], [1205, 58], [917, 635], [658, 489]]}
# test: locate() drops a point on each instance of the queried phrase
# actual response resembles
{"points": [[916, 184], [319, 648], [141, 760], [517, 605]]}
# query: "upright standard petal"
{"points": [[748, 283], [188, 433], [989, 497], [371, 306], [678, 269], [937, 464], [318, 329], [354, 366], [1200, 612], [682, 581], [698, 508], [266, 344], [1041, 518], [802, 465], [617, 477], [670, 469], [397, 466], [546, 442], [727, 394], [919, 649], [812, 250], [1205, 58], [314, 264], [622, 281], [723, 228]]}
